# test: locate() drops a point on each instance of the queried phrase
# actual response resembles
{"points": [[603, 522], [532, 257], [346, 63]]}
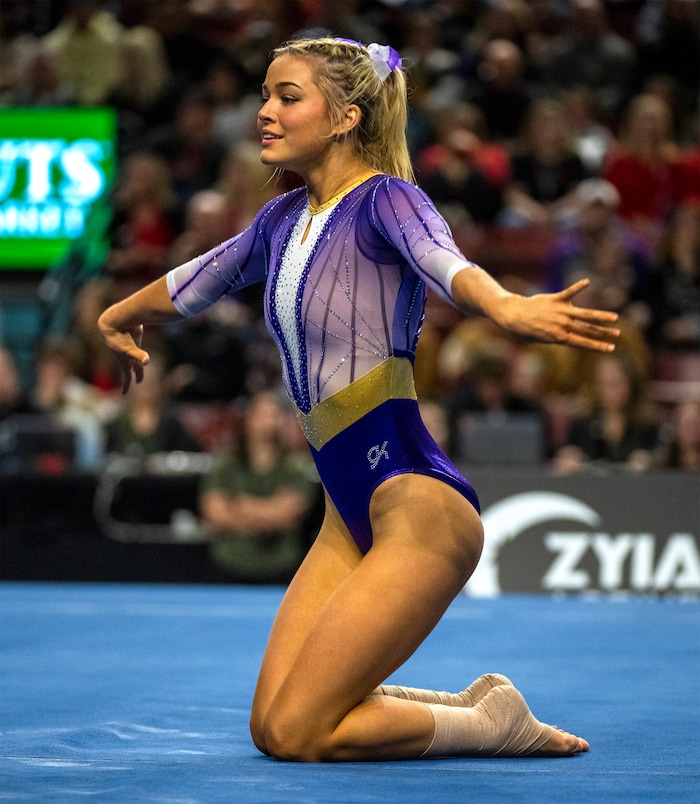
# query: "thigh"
{"points": [[330, 559], [427, 540]]}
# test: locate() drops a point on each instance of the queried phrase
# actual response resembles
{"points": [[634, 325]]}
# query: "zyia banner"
{"points": [[586, 533]]}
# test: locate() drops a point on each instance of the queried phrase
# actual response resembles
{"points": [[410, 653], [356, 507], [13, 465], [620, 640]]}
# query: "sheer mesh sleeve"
{"points": [[229, 267], [407, 218]]}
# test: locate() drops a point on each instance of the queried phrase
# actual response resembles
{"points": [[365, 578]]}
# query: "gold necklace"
{"points": [[327, 204]]}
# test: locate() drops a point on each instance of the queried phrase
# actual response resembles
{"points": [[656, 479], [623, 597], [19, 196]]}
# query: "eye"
{"points": [[289, 99]]}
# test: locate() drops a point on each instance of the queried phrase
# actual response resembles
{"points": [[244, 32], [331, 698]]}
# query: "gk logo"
{"points": [[376, 454]]}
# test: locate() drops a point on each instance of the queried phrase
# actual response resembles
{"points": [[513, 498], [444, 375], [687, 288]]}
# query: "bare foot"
{"points": [[562, 744], [510, 729]]}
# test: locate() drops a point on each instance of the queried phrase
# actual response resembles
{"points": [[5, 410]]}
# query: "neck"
{"points": [[324, 185]]}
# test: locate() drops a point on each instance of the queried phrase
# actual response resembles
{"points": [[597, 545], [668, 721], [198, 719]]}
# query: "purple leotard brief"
{"points": [[387, 441]]}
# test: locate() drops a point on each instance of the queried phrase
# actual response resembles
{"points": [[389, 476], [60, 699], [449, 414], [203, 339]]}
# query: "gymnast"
{"points": [[346, 261]]}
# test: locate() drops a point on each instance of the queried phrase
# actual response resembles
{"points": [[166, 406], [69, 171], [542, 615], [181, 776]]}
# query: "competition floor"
{"points": [[129, 693]]}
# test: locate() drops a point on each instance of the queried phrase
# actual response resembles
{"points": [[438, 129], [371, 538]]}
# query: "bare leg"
{"points": [[348, 622], [330, 560]]}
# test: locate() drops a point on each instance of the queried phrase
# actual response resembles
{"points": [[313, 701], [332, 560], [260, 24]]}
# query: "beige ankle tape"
{"points": [[469, 697], [500, 725], [414, 694]]}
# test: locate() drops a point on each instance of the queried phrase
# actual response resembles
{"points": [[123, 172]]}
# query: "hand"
{"points": [[126, 345], [554, 318]]}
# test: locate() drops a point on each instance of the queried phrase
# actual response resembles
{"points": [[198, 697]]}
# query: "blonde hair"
{"points": [[345, 75]]}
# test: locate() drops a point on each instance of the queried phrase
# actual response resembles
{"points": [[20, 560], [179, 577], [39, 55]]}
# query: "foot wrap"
{"points": [[469, 697], [500, 725]]}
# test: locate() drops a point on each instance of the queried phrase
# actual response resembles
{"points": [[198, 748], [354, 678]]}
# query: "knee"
{"points": [[257, 733], [291, 741]]}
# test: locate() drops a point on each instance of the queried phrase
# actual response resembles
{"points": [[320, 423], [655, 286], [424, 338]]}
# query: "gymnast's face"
{"points": [[294, 123]]}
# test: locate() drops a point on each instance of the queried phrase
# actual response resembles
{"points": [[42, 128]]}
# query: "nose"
{"points": [[264, 113]]}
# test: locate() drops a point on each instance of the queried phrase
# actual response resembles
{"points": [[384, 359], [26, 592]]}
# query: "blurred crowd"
{"points": [[560, 139]]}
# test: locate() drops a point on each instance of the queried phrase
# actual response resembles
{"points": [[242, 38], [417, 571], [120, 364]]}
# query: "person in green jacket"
{"points": [[257, 501]]}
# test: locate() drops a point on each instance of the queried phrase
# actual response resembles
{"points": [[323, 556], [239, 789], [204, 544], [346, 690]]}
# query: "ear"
{"points": [[350, 119]]}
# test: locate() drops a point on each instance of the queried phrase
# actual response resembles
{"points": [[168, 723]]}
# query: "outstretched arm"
{"points": [[547, 317], [121, 325]]}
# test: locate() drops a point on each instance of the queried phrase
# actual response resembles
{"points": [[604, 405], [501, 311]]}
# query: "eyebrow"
{"points": [[283, 84]]}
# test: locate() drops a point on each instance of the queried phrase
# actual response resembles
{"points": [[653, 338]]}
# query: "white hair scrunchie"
{"points": [[384, 59]]}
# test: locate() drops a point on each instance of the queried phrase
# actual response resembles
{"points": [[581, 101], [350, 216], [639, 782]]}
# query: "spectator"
{"points": [[350, 18], [41, 83], [435, 417], [207, 356], [501, 90], [615, 426], [58, 391], [142, 230], [487, 388], [149, 423], [206, 225], [682, 114], [688, 171], [545, 170], [256, 502], [590, 53], [433, 68], [463, 344], [86, 42], [512, 20], [236, 107], [682, 450], [668, 43], [17, 48], [187, 52], [144, 77], [676, 286], [189, 146], [97, 364], [642, 166], [603, 248], [461, 172], [592, 138], [246, 184], [13, 399]]}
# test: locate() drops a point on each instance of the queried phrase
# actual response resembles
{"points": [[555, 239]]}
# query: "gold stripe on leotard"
{"points": [[391, 379]]}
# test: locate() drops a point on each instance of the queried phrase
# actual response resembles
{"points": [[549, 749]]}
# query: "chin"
{"points": [[270, 161]]}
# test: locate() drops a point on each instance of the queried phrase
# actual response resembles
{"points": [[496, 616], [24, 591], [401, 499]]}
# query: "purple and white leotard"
{"points": [[344, 304]]}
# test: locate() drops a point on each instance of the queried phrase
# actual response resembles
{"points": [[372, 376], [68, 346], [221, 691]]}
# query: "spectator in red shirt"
{"points": [[643, 166], [142, 232]]}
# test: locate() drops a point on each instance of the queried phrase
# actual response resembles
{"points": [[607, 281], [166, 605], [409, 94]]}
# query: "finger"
{"points": [[125, 371], [131, 367], [126, 379], [587, 314], [585, 342], [600, 339], [137, 366], [568, 293], [591, 330]]}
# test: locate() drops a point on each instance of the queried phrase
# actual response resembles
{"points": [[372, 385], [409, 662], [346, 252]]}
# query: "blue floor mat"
{"points": [[134, 693]]}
